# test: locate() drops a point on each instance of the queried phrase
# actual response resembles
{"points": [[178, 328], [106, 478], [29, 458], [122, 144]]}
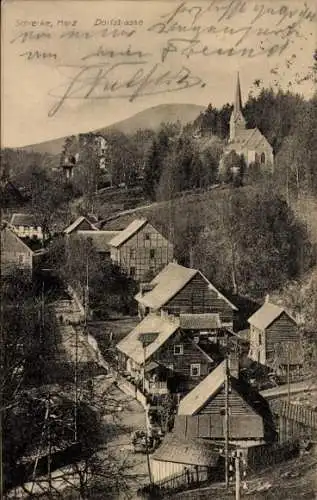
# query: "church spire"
{"points": [[237, 122], [238, 99]]}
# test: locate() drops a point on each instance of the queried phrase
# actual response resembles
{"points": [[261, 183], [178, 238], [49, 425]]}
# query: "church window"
{"points": [[262, 157]]}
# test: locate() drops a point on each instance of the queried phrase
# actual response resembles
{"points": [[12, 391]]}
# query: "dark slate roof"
{"points": [[207, 321], [187, 452], [294, 412], [265, 316]]}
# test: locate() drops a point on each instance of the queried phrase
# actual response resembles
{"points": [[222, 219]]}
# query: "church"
{"points": [[248, 142]]}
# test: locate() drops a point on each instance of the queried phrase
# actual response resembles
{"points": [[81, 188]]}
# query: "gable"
{"points": [[216, 404], [10, 243], [146, 236], [282, 330], [197, 297], [84, 225]]}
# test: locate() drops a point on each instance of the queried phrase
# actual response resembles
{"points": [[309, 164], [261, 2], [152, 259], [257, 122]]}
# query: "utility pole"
{"points": [[227, 414], [76, 384], [288, 374], [87, 291], [2, 358], [237, 467]]}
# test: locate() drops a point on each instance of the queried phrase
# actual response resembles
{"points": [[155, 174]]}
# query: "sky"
{"points": [[72, 66]]}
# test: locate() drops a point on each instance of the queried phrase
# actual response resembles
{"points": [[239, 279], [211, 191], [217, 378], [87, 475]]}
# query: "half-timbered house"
{"points": [[179, 290], [141, 249]]}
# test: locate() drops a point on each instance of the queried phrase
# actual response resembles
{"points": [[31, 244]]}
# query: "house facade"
{"points": [[275, 338], [179, 290], [161, 353], [26, 226], [140, 249], [202, 412], [16, 255]]}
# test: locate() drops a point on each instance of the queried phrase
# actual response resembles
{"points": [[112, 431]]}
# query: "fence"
{"points": [[189, 479], [132, 390], [266, 455]]}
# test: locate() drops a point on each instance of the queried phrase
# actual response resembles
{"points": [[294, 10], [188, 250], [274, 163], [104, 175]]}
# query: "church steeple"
{"points": [[237, 121], [238, 99]]}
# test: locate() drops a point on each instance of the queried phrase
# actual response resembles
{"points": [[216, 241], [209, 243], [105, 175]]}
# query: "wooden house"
{"points": [[168, 359], [80, 224], [17, 255], [294, 422], [141, 249], [186, 461], [275, 339], [179, 290], [26, 226], [202, 412]]}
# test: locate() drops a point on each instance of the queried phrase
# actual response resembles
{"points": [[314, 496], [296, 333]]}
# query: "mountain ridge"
{"points": [[150, 118]]}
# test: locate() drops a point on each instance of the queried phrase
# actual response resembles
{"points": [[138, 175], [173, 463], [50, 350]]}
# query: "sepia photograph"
{"points": [[158, 244]]}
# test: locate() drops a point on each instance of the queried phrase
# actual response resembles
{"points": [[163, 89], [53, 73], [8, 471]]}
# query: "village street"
{"points": [[119, 408]]}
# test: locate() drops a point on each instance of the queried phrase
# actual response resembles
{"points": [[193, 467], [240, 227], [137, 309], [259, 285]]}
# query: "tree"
{"points": [[233, 167]]}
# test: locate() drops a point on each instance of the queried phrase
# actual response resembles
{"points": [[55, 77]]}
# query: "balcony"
{"points": [[156, 387]]}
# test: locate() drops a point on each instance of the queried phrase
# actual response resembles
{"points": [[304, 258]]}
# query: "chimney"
{"points": [[234, 364]]}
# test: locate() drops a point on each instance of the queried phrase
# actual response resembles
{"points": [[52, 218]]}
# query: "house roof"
{"points": [[265, 316], [189, 451], [128, 232], [7, 231], [131, 345], [100, 239], [198, 396], [294, 412], [168, 283], [196, 399], [250, 138], [206, 321], [24, 220], [69, 229]]}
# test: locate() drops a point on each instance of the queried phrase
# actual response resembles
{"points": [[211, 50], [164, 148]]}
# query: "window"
{"points": [[146, 236], [195, 370], [21, 258], [152, 254], [178, 349], [132, 271], [260, 339], [132, 253], [262, 157]]}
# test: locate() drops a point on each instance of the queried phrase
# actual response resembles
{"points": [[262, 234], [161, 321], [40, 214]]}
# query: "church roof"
{"points": [[250, 138]]}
